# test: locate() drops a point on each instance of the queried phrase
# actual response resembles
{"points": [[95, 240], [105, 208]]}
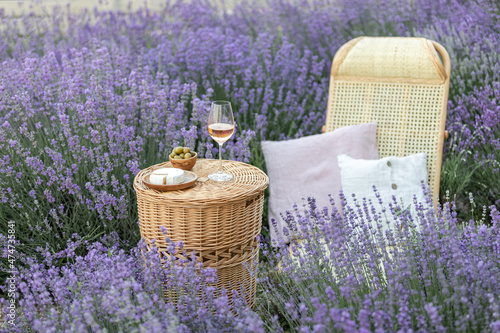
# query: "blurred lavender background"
{"points": [[88, 97]]}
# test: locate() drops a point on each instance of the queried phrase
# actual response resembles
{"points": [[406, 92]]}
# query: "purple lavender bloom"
{"points": [[427, 272], [110, 288], [83, 109]]}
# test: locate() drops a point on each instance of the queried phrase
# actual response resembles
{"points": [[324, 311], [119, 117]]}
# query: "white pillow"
{"points": [[392, 176]]}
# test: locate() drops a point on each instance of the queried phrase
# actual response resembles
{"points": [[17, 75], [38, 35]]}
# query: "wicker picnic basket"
{"points": [[218, 221], [402, 84]]}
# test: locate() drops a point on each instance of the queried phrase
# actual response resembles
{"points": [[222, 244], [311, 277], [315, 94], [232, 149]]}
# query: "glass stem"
{"points": [[220, 158]]}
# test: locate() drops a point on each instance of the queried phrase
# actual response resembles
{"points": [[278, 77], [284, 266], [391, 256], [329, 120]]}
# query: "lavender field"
{"points": [[89, 98]]}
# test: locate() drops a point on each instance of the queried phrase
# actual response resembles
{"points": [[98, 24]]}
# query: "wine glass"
{"points": [[221, 128]]}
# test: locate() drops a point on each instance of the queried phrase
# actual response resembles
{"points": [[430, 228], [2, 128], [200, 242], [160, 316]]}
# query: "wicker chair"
{"points": [[402, 84]]}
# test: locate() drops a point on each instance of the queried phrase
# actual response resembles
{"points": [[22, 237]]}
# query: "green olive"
{"points": [[186, 150], [187, 155], [181, 155], [177, 157], [172, 155], [179, 150]]}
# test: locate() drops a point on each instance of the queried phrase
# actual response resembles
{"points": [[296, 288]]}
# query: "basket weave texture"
{"points": [[401, 84], [218, 221]]}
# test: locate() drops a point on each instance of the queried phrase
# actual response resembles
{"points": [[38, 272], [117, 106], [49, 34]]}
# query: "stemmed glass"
{"points": [[221, 128]]}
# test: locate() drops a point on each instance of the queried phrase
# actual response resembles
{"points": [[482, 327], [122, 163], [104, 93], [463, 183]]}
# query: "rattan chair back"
{"points": [[402, 84]]}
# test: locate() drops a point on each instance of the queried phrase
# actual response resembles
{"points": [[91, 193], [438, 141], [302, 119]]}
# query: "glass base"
{"points": [[220, 177]]}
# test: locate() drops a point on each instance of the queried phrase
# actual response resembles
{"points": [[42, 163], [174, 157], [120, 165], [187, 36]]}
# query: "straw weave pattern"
{"points": [[392, 58], [401, 84], [240, 277], [219, 222]]}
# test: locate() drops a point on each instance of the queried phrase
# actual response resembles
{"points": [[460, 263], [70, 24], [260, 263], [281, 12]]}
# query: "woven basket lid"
{"points": [[248, 181], [389, 57]]}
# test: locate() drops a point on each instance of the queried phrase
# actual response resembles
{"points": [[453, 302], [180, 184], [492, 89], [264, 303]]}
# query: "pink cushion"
{"points": [[308, 167]]}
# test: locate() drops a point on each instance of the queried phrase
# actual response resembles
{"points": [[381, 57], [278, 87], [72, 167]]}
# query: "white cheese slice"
{"points": [[167, 176]]}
